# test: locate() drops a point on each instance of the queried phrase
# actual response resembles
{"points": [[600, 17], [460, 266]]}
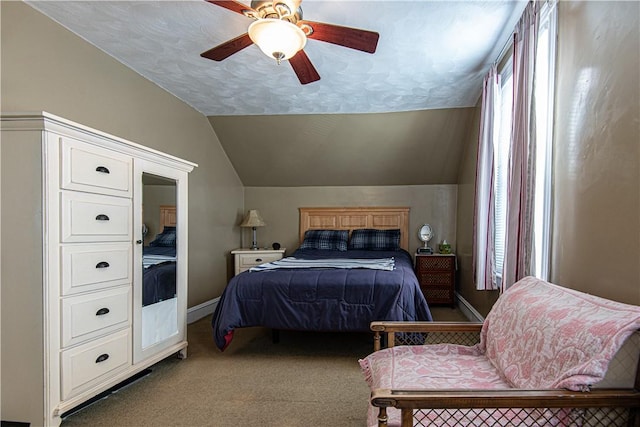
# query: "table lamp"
{"points": [[253, 220]]}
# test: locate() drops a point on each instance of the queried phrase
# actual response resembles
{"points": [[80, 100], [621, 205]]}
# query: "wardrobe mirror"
{"points": [[159, 262]]}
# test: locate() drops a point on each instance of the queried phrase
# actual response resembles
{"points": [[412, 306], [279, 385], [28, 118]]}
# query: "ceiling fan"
{"points": [[280, 32]]}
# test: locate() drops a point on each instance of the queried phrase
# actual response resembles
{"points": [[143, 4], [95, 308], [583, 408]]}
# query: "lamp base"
{"points": [[254, 243]]}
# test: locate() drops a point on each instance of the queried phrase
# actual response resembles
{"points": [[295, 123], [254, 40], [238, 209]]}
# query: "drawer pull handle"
{"points": [[102, 217], [102, 264], [102, 311], [102, 358], [258, 259], [102, 169]]}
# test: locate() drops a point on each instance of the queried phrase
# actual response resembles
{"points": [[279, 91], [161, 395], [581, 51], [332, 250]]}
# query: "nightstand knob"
{"points": [[258, 259]]}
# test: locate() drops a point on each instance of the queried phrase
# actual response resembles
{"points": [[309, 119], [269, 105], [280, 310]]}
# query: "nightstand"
{"points": [[244, 259], [437, 277]]}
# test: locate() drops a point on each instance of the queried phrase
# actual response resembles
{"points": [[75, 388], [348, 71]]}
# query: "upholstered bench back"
{"points": [[621, 372], [539, 335]]}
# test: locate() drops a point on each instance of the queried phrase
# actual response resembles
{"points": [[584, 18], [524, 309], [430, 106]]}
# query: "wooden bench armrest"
{"points": [[426, 326], [390, 328]]}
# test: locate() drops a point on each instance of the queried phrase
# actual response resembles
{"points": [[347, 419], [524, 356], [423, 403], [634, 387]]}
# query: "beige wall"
{"points": [[596, 230], [596, 244], [433, 204], [22, 304], [47, 68], [316, 150]]}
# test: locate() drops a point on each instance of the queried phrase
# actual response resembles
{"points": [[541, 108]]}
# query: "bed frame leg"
{"points": [[275, 336]]}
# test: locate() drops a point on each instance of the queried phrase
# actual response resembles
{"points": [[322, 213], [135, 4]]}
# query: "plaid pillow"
{"points": [[325, 239], [375, 240], [167, 238]]}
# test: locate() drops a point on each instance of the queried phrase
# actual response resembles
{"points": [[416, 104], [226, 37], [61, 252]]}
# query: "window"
{"points": [[542, 119], [501, 164]]}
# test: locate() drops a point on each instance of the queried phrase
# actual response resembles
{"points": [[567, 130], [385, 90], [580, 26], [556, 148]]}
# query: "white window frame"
{"points": [[545, 75]]}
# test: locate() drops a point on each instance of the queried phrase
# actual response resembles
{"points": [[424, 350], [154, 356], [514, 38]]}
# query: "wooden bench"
{"points": [[545, 355]]}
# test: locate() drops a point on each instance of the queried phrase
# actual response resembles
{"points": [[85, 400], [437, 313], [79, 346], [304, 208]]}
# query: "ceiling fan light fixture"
{"points": [[277, 38]]}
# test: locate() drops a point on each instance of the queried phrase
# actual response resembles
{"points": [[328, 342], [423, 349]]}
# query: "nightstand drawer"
{"points": [[438, 295], [248, 261], [433, 263], [244, 259], [435, 278]]}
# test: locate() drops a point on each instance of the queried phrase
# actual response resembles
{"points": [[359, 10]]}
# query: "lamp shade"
{"points": [[253, 219], [277, 38]]}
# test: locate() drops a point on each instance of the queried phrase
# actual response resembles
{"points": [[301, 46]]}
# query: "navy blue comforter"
{"points": [[321, 299], [159, 283]]}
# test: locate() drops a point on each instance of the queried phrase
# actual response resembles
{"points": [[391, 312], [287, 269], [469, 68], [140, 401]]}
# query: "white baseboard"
{"points": [[202, 310], [468, 310]]}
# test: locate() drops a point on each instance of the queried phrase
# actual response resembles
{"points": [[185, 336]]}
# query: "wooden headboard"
{"points": [[167, 216], [345, 218]]}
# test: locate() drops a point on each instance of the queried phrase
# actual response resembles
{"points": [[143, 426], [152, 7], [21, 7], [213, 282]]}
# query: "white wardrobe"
{"points": [[78, 315]]}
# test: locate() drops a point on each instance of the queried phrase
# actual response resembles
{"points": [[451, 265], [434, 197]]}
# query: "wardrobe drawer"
{"points": [[93, 218], [90, 315], [86, 167], [87, 365], [96, 266]]}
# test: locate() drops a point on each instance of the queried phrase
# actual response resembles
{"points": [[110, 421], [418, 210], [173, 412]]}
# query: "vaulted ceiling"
{"points": [[408, 148], [398, 116]]}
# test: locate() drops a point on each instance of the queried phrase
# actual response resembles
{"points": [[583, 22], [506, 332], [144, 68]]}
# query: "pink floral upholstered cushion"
{"points": [[437, 366], [540, 335], [430, 366]]}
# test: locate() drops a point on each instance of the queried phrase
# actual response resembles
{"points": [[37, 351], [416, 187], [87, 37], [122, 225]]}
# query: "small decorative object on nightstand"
{"points": [[246, 258], [425, 234], [444, 247], [437, 276]]}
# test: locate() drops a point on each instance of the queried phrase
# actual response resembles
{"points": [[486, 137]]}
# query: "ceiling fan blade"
{"points": [[234, 6], [353, 38], [303, 68], [227, 49]]}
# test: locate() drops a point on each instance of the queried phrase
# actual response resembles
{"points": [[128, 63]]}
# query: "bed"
{"points": [[163, 246], [159, 302], [343, 283]]}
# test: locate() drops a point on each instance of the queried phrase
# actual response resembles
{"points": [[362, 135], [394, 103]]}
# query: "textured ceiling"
{"points": [[431, 54]]}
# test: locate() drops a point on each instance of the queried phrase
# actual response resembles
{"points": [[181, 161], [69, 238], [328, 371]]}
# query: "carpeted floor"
{"points": [[308, 379]]}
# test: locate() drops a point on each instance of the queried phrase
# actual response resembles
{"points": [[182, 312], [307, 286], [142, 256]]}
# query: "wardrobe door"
{"points": [[160, 260]]}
